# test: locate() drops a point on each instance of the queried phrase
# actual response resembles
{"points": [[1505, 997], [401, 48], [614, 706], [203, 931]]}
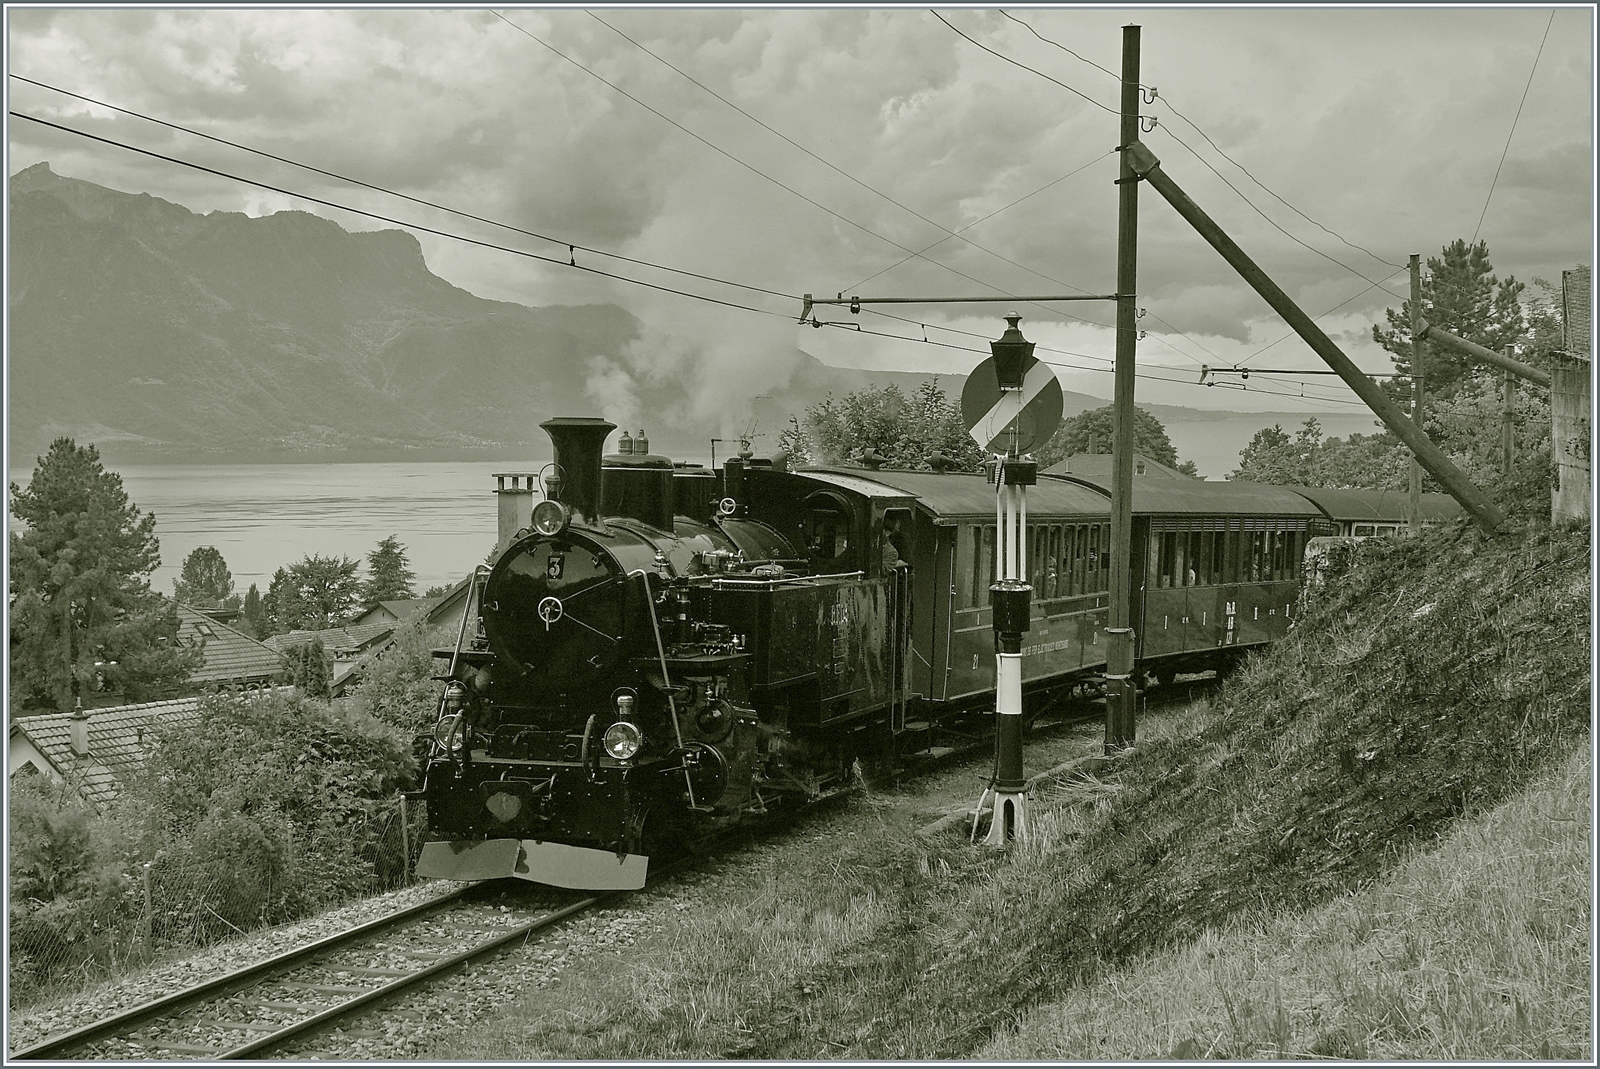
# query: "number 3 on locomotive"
{"points": [[554, 566]]}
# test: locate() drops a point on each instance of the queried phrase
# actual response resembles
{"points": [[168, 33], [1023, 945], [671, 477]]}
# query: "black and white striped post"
{"points": [[1011, 403]]}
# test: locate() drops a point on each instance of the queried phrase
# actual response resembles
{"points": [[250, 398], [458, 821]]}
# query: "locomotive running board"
{"points": [[556, 864]]}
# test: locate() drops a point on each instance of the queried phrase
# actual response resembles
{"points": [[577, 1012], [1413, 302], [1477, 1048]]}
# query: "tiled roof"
{"points": [[229, 654], [353, 638], [116, 742], [1101, 464]]}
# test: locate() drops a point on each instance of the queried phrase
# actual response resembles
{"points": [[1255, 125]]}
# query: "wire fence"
{"points": [[114, 916]]}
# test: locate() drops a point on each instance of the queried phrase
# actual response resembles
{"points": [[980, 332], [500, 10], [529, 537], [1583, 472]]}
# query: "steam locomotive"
{"points": [[667, 650]]}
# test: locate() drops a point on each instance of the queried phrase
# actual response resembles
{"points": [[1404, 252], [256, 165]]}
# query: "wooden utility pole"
{"points": [[1414, 502], [1148, 166], [1122, 691]]}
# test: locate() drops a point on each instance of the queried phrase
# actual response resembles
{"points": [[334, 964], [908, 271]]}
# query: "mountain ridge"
{"points": [[155, 331]]}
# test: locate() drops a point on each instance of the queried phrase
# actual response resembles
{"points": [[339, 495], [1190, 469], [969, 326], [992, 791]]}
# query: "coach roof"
{"points": [[1170, 497], [958, 495]]}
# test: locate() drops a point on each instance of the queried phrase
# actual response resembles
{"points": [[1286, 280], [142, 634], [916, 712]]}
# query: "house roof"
{"points": [[1100, 464], [117, 745], [347, 640], [229, 654], [402, 609]]}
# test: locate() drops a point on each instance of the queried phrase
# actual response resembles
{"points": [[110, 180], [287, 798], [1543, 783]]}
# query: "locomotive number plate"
{"points": [[555, 566]]}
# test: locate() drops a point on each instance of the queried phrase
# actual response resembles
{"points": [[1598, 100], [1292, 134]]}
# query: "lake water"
{"points": [[264, 516]]}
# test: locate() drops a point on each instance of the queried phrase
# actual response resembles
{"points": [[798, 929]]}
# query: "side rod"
{"points": [[1147, 166]]}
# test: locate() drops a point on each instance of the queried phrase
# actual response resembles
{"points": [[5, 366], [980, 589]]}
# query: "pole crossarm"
{"points": [[855, 303], [1428, 332], [1147, 166]]}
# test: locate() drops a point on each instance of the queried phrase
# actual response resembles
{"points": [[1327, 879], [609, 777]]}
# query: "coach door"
{"points": [[897, 553]]}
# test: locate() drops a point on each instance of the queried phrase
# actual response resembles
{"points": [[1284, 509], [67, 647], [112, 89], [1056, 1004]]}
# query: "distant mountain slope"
{"points": [[144, 327]]}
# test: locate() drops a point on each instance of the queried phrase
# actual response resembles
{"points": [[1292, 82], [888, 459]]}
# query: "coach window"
{"points": [[1209, 560], [1080, 554], [1166, 548], [1103, 539], [983, 566]]}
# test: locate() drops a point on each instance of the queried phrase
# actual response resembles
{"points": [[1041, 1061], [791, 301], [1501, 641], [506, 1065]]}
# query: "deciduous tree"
{"points": [[83, 616], [1095, 426], [904, 431], [313, 593], [205, 581]]}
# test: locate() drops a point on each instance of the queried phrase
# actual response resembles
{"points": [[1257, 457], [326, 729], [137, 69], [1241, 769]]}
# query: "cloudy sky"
{"points": [[1385, 126]]}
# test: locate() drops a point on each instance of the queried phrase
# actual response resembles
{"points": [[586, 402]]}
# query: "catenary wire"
{"points": [[911, 254], [1329, 312], [1024, 66], [948, 233], [399, 222], [1513, 131], [1192, 125], [1274, 223], [864, 229], [546, 259], [857, 286], [1237, 164], [395, 193], [1197, 156]]}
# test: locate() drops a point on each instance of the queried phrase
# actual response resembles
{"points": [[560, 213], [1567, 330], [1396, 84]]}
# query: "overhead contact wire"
{"points": [[401, 222], [948, 233], [402, 196], [753, 170]]}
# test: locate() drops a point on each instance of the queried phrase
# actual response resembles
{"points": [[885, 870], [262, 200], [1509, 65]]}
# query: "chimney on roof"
{"points": [[79, 722]]}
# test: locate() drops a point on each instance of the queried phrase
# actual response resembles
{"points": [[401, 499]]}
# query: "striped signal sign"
{"points": [[992, 415]]}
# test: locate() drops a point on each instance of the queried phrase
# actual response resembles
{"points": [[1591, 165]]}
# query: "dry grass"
{"points": [[1475, 950]]}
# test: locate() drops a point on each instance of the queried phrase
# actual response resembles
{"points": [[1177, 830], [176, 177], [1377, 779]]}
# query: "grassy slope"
{"points": [[1476, 950], [1436, 680]]}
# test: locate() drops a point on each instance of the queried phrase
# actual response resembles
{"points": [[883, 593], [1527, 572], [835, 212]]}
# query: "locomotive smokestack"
{"points": [[578, 442]]}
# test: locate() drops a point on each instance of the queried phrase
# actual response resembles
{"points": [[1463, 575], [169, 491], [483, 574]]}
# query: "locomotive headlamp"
{"points": [[445, 728], [550, 518], [622, 740], [455, 696]]}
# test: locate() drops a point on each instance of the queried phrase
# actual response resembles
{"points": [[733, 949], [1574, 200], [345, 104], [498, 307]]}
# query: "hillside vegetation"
{"points": [[1428, 682]]}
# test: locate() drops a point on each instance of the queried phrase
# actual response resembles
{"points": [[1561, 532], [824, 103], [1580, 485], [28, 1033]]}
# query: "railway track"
{"points": [[286, 1001]]}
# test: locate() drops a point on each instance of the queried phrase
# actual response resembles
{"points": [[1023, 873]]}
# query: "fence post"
{"points": [[149, 914], [405, 840]]}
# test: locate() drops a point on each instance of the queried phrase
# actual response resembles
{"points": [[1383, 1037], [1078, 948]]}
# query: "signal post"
{"points": [[1011, 403]]}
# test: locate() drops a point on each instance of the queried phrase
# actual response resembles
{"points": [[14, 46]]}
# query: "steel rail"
{"points": [[168, 1005], [395, 987]]}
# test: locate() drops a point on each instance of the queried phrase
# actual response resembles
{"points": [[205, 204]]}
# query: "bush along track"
{"points": [[1427, 679]]}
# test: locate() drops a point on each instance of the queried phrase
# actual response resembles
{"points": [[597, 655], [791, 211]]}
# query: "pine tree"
{"points": [[1460, 294], [388, 576], [83, 616]]}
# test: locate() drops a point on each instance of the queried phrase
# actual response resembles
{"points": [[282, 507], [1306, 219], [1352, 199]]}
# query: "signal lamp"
{"points": [[1011, 353], [622, 740], [550, 518], [455, 696]]}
